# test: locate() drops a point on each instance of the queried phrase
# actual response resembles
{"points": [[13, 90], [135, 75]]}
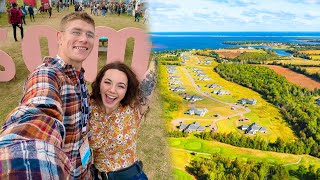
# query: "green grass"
{"points": [[226, 150], [181, 175]]}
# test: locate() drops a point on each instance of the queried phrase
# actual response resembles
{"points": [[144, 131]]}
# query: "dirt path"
{"points": [[295, 78], [300, 158]]}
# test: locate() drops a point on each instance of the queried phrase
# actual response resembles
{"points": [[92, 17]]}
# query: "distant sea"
{"points": [[214, 40]]}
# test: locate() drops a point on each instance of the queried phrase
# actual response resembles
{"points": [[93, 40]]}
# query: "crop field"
{"points": [[295, 78]]}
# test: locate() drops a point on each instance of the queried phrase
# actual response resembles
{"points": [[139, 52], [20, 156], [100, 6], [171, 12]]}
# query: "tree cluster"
{"points": [[221, 168], [296, 104]]}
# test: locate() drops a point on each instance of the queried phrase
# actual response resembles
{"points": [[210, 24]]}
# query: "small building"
{"points": [[197, 111], [175, 82], [204, 79], [247, 101], [214, 85], [192, 98], [221, 92], [254, 128], [174, 77], [244, 127], [202, 75], [195, 126], [177, 89], [207, 61]]}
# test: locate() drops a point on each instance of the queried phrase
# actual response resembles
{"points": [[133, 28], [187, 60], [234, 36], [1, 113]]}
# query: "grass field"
{"points": [[313, 70], [211, 147], [10, 92], [297, 61]]}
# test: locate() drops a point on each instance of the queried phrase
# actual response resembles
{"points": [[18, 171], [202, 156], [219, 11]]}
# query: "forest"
{"points": [[296, 104], [222, 168]]}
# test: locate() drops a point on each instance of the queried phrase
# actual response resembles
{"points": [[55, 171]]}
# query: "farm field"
{"points": [[312, 70], [297, 61], [295, 78]]}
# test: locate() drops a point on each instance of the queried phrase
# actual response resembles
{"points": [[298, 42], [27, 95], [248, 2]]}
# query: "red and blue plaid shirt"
{"points": [[15, 16], [41, 138]]}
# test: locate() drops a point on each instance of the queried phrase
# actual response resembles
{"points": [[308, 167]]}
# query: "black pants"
{"points": [[15, 31], [31, 15], [23, 19]]}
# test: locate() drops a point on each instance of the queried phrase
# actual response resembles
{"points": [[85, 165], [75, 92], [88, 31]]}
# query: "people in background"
{"points": [[16, 21]]}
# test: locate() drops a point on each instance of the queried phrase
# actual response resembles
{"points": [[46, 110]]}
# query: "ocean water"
{"points": [[214, 40]]}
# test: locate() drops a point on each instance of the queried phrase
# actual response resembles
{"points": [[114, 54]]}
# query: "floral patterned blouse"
{"points": [[114, 137]]}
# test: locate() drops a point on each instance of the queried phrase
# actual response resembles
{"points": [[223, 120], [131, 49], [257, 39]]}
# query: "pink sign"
{"points": [[117, 40]]}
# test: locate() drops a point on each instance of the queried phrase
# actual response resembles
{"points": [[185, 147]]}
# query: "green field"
{"points": [[312, 70], [211, 147]]}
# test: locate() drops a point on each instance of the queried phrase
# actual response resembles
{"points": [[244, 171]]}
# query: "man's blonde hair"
{"points": [[76, 16]]}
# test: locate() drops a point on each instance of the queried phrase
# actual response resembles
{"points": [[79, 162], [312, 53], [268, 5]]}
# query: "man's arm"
{"points": [[33, 134]]}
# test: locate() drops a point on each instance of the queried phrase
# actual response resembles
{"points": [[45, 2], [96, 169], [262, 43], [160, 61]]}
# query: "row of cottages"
{"points": [[253, 128], [221, 92], [247, 101], [171, 69], [197, 111], [207, 61], [195, 126], [177, 89], [212, 86], [192, 98]]}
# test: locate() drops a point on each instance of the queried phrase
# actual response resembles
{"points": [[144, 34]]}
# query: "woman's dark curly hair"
{"points": [[133, 89]]}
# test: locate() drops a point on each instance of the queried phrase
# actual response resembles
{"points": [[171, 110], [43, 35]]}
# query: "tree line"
{"points": [[296, 104], [239, 140], [221, 168]]}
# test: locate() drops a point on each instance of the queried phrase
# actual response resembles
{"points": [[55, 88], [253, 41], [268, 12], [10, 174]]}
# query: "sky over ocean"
{"points": [[234, 15]]}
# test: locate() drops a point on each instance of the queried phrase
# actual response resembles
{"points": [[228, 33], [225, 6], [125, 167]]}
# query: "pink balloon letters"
{"points": [[117, 40]]}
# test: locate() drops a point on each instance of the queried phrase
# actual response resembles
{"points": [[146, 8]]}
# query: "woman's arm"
{"points": [[147, 88]]}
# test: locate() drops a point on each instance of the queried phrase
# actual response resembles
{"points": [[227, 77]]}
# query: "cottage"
{"points": [[174, 77], [192, 98], [195, 126], [254, 127], [244, 127], [212, 86], [247, 101], [197, 111], [202, 75], [177, 89], [204, 79], [221, 92], [207, 61], [175, 82]]}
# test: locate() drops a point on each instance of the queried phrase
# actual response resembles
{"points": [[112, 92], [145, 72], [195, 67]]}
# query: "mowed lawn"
{"points": [[213, 147], [11, 92]]}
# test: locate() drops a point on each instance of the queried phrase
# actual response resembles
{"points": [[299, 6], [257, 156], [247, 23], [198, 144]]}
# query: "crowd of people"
{"points": [[59, 130]]}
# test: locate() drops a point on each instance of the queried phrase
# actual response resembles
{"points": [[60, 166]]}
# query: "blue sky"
{"points": [[234, 15]]}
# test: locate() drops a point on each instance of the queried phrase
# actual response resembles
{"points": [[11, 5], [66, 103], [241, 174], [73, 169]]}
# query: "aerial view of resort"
{"points": [[231, 88]]}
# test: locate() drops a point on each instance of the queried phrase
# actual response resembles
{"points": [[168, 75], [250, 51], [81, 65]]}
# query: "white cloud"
{"points": [[234, 15]]}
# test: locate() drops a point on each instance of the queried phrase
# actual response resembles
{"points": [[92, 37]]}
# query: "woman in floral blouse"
{"points": [[115, 118]]}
